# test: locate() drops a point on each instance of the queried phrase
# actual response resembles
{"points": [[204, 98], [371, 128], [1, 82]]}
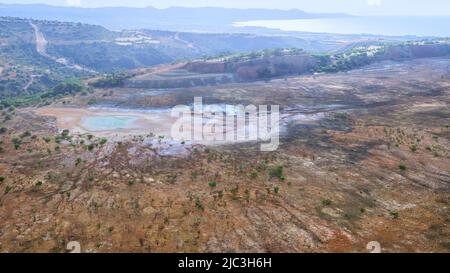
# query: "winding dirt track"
{"points": [[41, 48]]}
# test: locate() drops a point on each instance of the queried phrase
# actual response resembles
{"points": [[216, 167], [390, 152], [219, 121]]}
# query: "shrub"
{"points": [[198, 203], [90, 147], [276, 189], [2, 178], [276, 172], [103, 141], [327, 203], [92, 101], [17, 146], [3, 130], [234, 193], [254, 175], [47, 139], [212, 184], [69, 87], [65, 133], [115, 80], [394, 214], [25, 134], [402, 167]]}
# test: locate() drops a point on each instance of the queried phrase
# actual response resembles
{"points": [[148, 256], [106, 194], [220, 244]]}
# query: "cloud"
{"points": [[374, 2], [73, 2]]}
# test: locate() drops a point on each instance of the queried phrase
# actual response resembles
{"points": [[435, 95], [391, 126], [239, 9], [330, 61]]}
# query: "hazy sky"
{"points": [[358, 7]]}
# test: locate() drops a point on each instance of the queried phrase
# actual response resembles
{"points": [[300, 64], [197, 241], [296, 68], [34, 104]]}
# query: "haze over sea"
{"points": [[378, 25]]}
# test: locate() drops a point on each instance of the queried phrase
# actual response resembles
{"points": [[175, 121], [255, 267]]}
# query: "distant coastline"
{"points": [[429, 26]]}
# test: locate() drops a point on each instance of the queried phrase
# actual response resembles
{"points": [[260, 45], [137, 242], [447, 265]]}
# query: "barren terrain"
{"points": [[365, 156]]}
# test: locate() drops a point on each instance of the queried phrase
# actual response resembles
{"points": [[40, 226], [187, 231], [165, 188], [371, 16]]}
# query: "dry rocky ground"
{"points": [[375, 168]]}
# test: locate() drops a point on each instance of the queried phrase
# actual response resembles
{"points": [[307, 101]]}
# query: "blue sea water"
{"points": [[429, 26], [108, 123]]}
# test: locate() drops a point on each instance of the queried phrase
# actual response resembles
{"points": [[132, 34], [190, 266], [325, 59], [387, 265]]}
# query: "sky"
{"points": [[356, 7]]}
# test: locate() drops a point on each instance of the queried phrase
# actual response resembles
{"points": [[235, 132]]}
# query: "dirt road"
{"points": [[41, 48]]}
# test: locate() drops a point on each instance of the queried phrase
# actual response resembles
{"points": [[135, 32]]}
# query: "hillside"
{"points": [[23, 70], [36, 55], [364, 156], [268, 64]]}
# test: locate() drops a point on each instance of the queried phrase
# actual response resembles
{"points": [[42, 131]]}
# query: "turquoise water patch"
{"points": [[108, 123]]}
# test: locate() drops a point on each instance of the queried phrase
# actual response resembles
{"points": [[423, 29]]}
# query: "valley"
{"points": [[297, 142], [364, 156]]}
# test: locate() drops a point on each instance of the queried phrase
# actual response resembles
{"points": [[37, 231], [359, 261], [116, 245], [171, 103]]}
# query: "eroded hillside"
{"points": [[365, 157]]}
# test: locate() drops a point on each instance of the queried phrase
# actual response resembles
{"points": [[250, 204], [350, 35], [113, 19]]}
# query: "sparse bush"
{"points": [[65, 133], [220, 194], [25, 134], [3, 130], [58, 139], [276, 172], [341, 115], [198, 203], [394, 214], [92, 101], [234, 193], [103, 141], [90, 147], [276, 189], [327, 203], [47, 139], [16, 140]]}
